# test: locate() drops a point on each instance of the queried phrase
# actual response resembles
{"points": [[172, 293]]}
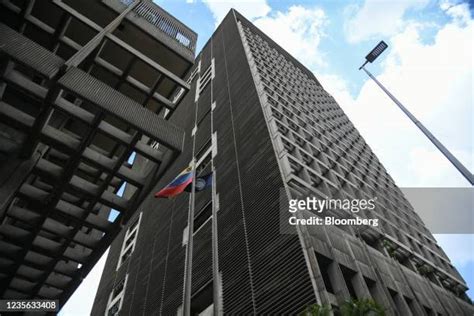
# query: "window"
{"points": [[129, 241], [204, 165], [324, 264], [202, 302], [349, 278], [177, 97], [428, 311], [155, 145], [204, 79], [396, 298], [203, 152], [374, 289], [202, 216], [194, 73], [116, 298]]}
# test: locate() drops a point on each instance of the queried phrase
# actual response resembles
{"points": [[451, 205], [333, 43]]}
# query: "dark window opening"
{"points": [[432, 278], [428, 311], [409, 302], [126, 255], [203, 149], [135, 223], [202, 300], [396, 299], [406, 262], [114, 309], [205, 116], [202, 216], [324, 264], [372, 242], [349, 275], [372, 286], [118, 289], [204, 167], [130, 238]]}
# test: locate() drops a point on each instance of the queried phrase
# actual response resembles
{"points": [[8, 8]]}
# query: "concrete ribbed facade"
{"points": [[263, 124]]}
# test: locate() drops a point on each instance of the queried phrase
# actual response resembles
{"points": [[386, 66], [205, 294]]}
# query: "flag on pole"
{"points": [[178, 185], [202, 183]]}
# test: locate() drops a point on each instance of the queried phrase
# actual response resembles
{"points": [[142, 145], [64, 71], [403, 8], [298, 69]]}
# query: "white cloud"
{"points": [[81, 302], [427, 79], [251, 9], [377, 18], [431, 168], [435, 82], [458, 247], [299, 31], [458, 10]]}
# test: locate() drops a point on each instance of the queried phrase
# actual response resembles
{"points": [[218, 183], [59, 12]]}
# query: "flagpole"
{"points": [[216, 291], [215, 252], [189, 247]]}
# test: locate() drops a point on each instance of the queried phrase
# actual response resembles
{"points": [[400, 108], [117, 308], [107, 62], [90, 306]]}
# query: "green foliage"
{"points": [[424, 270], [390, 248], [362, 307], [355, 307], [317, 310]]}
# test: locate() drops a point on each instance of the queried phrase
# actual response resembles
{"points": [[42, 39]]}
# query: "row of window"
{"points": [[353, 283], [129, 241], [264, 56], [204, 79], [299, 106], [114, 304], [203, 157]]}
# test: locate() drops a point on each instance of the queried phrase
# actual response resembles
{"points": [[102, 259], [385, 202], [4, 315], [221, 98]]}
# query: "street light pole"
{"points": [[463, 170]]}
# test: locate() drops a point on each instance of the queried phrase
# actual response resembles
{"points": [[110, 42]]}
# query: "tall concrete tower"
{"points": [[266, 129]]}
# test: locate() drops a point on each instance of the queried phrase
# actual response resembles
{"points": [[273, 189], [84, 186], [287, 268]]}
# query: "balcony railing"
{"points": [[165, 23]]}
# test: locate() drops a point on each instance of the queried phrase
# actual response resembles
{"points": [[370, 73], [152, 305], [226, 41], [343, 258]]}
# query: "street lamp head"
{"points": [[374, 53]]}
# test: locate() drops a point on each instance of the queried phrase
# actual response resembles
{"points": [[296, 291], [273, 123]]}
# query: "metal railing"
{"points": [[165, 23]]}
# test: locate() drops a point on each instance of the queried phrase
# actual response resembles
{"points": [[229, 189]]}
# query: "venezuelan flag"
{"points": [[178, 185]]}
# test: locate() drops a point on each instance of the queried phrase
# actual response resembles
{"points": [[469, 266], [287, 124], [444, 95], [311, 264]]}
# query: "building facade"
{"points": [[83, 85], [262, 124]]}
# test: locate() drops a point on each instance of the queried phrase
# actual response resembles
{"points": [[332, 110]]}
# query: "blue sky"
{"points": [[428, 66]]}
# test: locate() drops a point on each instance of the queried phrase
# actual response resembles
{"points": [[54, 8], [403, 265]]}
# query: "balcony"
{"points": [[83, 85], [143, 57], [159, 24]]}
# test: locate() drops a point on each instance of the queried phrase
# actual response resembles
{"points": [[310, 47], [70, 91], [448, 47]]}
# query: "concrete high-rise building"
{"points": [[83, 85], [263, 124]]}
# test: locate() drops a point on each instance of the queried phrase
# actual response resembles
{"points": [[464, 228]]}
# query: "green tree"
{"points": [[362, 307], [317, 310]]}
